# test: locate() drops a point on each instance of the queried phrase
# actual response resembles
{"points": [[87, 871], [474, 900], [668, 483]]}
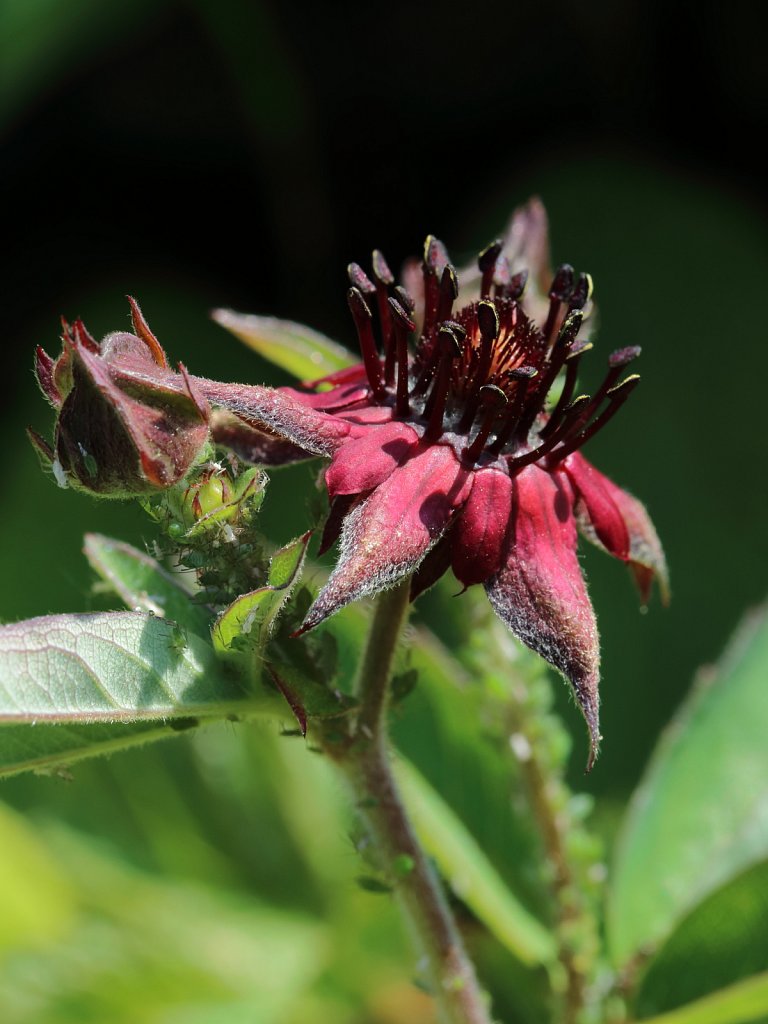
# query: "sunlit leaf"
{"points": [[251, 615], [469, 872], [738, 1004], [301, 351], [144, 585], [111, 667], [700, 816]]}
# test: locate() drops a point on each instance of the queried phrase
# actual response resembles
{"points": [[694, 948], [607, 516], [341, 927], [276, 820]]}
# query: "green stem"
{"points": [[365, 762]]}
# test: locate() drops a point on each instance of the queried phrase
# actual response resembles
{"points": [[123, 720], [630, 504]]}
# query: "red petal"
{"points": [[478, 537], [644, 553], [349, 375], [386, 536], [595, 492], [330, 401], [540, 592], [365, 462]]}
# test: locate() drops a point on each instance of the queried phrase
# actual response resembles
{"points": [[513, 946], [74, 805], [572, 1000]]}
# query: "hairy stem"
{"points": [[365, 762]]}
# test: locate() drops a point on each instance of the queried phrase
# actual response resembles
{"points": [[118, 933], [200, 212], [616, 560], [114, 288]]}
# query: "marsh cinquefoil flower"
{"points": [[457, 443]]}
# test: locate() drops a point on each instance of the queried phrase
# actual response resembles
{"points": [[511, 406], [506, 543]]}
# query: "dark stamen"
{"points": [[572, 361], [435, 259], [488, 324], [428, 372], [557, 357], [405, 299], [486, 262], [616, 362], [523, 375], [616, 398], [434, 410], [562, 286], [449, 292], [384, 280], [402, 326], [572, 413], [360, 280], [361, 314], [582, 293], [492, 399]]}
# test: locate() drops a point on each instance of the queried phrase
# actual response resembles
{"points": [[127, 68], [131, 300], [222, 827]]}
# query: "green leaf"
{"points": [[722, 941], [44, 747], [700, 816], [111, 667], [299, 350], [252, 615], [738, 1004], [143, 584], [469, 872]]}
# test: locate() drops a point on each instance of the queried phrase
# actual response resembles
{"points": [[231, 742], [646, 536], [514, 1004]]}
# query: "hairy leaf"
{"points": [[111, 667], [252, 615], [143, 584]]}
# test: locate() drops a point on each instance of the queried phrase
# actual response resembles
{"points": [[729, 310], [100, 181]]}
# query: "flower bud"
{"points": [[124, 427]]}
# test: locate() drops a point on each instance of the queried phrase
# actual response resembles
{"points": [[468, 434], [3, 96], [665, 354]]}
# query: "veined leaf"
{"points": [[143, 584], [700, 816], [469, 872], [252, 615], [46, 747], [305, 353], [738, 1004], [111, 667]]}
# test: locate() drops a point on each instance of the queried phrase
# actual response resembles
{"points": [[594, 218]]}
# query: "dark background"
{"points": [[200, 154]]}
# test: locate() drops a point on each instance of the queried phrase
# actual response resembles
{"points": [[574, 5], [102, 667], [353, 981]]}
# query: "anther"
{"points": [[402, 326], [557, 357], [384, 280], [573, 412], [361, 314], [488, 325], [572, 368], [405, 299], [523, 375], [582, 293], [559, 292], [430, 366], [492, 399], [381, 270], [360, 280], [435, 259], [449, 348], [616, 396], [486, 262], [449, 292]]}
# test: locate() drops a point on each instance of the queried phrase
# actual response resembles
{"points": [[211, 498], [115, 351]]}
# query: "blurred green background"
{"points": [[199, 154]]}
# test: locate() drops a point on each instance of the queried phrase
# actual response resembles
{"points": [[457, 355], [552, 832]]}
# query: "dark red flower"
{"points": [[456, 443]]}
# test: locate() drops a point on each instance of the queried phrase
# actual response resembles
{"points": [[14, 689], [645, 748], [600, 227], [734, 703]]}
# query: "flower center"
{"points": [[486, 374]]}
